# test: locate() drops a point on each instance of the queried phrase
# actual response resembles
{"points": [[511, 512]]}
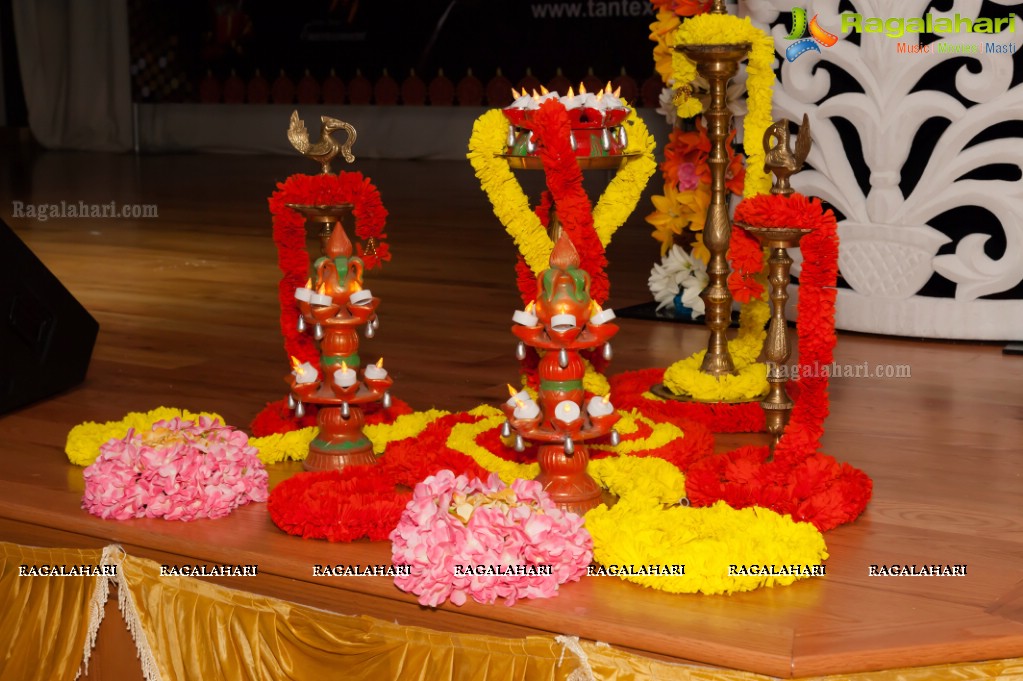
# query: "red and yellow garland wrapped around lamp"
{"points": [[590, 230]]}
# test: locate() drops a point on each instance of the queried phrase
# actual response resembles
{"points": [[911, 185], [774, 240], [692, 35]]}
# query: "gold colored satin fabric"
{"points": [[43, 620], [199, 631], [187, 629]]}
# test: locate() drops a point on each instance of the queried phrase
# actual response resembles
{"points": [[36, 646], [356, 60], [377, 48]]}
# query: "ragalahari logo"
{"points": [[818, 36]]}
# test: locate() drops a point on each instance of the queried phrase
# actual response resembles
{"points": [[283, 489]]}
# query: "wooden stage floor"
{"points": [[187, 307]]}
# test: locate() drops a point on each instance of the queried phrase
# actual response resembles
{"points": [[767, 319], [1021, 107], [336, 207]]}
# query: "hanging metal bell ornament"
{"points": [[520, 351], [300, 325], [318, 332], [530, 144], [571, 141], [615, 438], [386, 401], [291, 401], [346, 411], [608, 354], [520, 446], [299, 410], [370, 331], [563, 358], [511, 135], [605, 139], [506, 429], [569, 447], [623, 137]]}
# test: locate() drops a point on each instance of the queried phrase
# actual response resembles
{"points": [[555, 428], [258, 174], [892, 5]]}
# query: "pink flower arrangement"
{"points": [[467, 538], [179, 470]]}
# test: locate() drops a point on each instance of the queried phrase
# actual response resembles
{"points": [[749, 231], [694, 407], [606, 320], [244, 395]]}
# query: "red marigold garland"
{"points": [[552, 129], [800, 481], [276, 417], [628, 391], [368, 500]]}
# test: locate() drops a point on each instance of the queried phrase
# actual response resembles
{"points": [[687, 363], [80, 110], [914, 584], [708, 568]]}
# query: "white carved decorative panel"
{"points": [[890, 245]]}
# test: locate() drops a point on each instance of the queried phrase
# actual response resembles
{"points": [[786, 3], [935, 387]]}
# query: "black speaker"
{"points": [[46, 336]]}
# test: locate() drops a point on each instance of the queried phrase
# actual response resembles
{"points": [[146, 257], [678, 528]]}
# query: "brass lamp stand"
{"points": [[783, 162], [718, 64], [777, 404]]}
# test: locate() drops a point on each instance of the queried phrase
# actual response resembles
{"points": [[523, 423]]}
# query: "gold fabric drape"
{"points": [[44, 621], [186, 629]]}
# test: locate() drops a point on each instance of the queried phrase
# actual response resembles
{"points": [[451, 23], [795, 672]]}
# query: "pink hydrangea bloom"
{"points": [[472, 539], [179, 470]]}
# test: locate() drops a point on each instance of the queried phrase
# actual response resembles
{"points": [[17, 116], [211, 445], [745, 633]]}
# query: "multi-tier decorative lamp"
{"points": [[332, 307], [564, 322], [333, 311]]}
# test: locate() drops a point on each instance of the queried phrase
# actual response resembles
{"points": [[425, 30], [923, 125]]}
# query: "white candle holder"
{"points": [[599, 406], [345, 377], [563, 322], [361, 297], [305, 373], [524, 318], [320, 299], [527, 410], [602, 317], [567, 411]]}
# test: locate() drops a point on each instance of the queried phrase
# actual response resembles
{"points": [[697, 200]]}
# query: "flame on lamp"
{"points": [[296, 366]]}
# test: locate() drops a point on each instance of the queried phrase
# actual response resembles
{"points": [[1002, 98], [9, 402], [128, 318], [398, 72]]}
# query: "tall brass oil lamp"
{"points": [[782, 162], [718, 64]]}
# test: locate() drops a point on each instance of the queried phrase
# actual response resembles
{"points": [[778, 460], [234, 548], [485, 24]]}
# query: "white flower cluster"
{"points": [[679, 272]]}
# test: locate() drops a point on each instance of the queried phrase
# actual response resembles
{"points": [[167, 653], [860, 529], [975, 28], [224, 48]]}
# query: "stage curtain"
{"points": [[45, 621], [75, 72]]}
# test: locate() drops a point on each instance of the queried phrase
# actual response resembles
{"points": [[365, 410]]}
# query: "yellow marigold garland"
{"points": [[283, 446], [463, 439], [661, 433], [84, 440], [593, 381], [724, 29], [640, 531], [685, 378], [511, 205], [646, 477], [295, 444]]}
